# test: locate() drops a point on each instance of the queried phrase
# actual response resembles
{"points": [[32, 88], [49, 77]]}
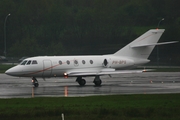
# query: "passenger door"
{"points": [[47, 68]]}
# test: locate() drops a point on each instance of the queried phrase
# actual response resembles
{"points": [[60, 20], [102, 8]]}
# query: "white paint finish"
{"points": [[47, 66], [127, 57]]}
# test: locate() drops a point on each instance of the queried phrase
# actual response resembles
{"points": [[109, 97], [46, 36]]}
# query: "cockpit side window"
{"points": [[24, 62], [34, 62], [29, 62]]}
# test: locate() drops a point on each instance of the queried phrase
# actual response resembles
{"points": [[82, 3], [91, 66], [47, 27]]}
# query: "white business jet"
{"points": [[133, 54]]}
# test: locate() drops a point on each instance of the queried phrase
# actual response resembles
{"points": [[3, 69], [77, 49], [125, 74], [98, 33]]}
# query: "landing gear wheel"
{"points": [[97, 81], [35, 82], [81, 81]]}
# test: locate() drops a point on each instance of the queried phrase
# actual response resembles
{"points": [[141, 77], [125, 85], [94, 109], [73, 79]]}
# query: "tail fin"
{"points": [[142, 46]]}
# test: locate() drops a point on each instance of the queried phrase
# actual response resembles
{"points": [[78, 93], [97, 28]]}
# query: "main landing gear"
{"points": [[97, 81], [81, 81], [35, 82]]}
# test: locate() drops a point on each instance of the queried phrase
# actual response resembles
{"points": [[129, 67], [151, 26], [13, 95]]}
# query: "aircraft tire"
{"points": [[82, 82], [36, 84], [97, 82]]}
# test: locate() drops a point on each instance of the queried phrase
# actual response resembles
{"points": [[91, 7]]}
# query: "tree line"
{"points": [[64, 27]]}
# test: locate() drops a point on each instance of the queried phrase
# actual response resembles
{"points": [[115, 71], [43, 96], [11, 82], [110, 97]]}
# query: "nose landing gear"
{"points": [[35, 82]]}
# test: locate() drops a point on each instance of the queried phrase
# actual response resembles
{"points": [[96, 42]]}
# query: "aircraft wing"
{"points": [[100, 73]]}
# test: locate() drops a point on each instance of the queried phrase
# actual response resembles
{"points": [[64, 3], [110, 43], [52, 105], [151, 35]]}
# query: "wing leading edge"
{"points": [[95, 73]]}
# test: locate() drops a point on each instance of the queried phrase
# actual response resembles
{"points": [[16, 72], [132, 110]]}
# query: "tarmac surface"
{"points": [[144, 83]]}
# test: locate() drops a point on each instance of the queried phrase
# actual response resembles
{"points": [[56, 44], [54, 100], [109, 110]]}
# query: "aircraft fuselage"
{"points": [[57, 66], [131, 55]]}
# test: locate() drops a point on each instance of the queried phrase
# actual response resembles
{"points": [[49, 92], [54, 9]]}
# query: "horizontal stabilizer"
{"points": [[153, 44]]}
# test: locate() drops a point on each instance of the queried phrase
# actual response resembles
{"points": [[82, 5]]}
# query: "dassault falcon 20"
{"points": [[133, 54]]}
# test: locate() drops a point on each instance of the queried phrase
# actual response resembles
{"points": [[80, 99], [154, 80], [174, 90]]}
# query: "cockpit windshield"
{"points": [[28, 62], [23, 62]]}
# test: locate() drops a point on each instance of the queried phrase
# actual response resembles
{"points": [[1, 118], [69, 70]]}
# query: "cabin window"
{"points": [[29, 62], [68, 62], [60, 62], [24, 62], [75, 62], [83, 61], [34, 62], [91, 61]]}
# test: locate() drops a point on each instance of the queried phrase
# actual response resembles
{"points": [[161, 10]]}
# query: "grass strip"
{"points": [[126, 107]]}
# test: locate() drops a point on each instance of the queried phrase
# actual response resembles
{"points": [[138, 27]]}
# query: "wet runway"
{"points": [[144, 83]]}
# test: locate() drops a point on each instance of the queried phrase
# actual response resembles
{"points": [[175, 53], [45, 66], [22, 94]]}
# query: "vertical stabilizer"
{"points": [[142, 46]]}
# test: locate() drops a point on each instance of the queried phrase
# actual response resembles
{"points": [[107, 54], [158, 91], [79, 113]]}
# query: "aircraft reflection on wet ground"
{"points": [[145, 83]]}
